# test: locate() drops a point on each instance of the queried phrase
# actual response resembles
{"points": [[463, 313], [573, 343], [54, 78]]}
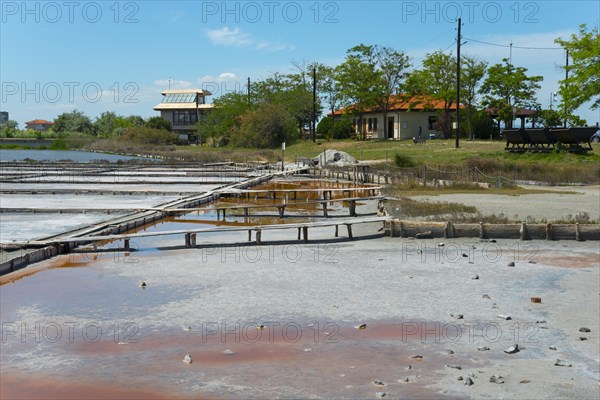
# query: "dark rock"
{"points": [[585, 330], [496, 379], [511, 264], [469, 382], [454, 366], [483, 348]]}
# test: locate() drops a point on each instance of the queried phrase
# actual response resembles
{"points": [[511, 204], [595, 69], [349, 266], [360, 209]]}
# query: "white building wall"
{"points": [[406, 124]]}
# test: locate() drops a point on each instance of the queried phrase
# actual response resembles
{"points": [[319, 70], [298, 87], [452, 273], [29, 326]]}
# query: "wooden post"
{"points": [[336, 231], [258, 236], [223, 213], [549, 232], [523, 231], [187, 240], [299, 230], [305, 233], [126, 244], [280, 208], [481, 231], [349, 230], [577, 232], [352, 208], [449, 230], [193, 240], [325, 209], [249, 235]]}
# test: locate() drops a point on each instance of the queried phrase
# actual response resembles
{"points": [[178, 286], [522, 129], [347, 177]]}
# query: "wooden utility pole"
{"points": [[566, 91], [314, 106], [248, 90], [458, 86]]}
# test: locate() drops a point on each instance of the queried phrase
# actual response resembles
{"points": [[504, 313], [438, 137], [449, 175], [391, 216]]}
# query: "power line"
{"points": [[513, 46]]}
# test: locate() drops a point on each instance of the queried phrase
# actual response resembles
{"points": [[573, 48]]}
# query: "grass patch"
{"points": [[488, 157], [13, 146], [403, 161], [406, 207], [415, 188]]}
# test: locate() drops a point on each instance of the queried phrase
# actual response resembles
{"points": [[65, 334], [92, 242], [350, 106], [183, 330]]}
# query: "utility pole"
{"points": [[458, 86], [566, 91], [314, 106], [248, 90]]}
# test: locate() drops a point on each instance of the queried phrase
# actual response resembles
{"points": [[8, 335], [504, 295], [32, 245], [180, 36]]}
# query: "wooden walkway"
{"points": [[190, 235]]}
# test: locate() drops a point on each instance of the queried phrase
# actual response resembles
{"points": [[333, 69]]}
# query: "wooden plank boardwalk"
{"points": [[190, 235]]}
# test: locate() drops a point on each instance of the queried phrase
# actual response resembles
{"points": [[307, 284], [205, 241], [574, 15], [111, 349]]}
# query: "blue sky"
{"points": [[119, 55]]}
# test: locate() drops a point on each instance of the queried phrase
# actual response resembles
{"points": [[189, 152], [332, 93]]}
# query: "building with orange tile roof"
{"points": [[407, 117], [40, 125]]}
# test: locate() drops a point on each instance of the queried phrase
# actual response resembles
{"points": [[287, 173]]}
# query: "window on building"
{"points": [[370, 125], [181, 98], [431, 123], [375, 124], [184, 117]]}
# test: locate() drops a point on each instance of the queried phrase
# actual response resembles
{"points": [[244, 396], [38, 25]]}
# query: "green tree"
{"points": [[393, 68], [9, 129], [267, 126], [105, 124], [507, 87], [583, 83], [157, 122], [471, 75], [550, 118], [330, 91], [356, 77], [436, 82], [329, 128], [74, 121], [134, 120]]}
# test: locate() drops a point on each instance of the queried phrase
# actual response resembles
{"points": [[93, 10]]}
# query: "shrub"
{"points": [[403, 161]]}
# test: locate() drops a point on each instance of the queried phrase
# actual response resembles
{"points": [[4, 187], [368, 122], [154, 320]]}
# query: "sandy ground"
{"points": [[552, 206], [309, 298]]}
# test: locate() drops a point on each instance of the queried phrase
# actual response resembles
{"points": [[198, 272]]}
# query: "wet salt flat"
{"points": [[28, 226], [280, 320], [308, 297], [121, 187], [57, 155]]}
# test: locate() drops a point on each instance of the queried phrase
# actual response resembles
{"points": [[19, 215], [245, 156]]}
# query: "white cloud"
{"points": [[228, 37], [237, 38]]}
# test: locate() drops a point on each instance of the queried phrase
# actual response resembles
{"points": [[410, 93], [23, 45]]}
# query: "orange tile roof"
{"points": [[40, 121], [400, 102]]}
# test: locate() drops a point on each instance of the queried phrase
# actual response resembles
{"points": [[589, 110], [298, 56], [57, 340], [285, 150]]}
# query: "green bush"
{"points": [[266, 127], [342, 129], [145, 135], [403, 161]]}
